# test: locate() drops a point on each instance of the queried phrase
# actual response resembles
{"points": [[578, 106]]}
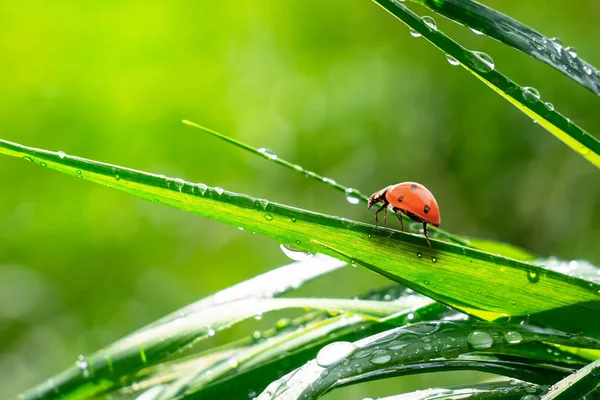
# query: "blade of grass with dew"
{"points": [[488, 391], [485, 20], [475, 282], [200, 378], [481, 65], [577, 385], [389, 354], [101, 371], [354, 196]]}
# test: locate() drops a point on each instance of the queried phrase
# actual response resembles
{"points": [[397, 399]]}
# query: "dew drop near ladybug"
{"points": [[411, 199]]}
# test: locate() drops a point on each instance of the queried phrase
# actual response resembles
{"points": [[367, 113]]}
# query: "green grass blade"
{"points": [[488, 391], [101, 370], [475, 282], [391, 352], [577, 385], [353, 195], [525, 99], [519, 36]]}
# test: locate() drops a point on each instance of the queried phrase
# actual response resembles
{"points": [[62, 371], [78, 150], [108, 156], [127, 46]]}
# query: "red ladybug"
{"points": [[411, 199]]}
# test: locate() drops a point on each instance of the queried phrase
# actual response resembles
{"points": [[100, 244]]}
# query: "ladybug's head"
{"points": [[377, 197]]}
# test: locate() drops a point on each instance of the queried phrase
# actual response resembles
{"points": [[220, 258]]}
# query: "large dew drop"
{"points": [[480, 340], [381, 357], [333, 353], [513, 337], [295, 254], [414, 33], [486, 59], [452, 60], [531, 94], [430, 22], [268, 153], [352, 196]]}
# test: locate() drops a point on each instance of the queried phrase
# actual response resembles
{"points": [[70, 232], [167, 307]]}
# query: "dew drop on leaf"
{"points": [[531, 94], [452, 60], [513, 337], [352, 196], [333, 353], [480, 340], [268, 153], [61, 154], [294, 253], [381, 357], [475, 31], [268, 217], [414, 33], [430, 22]]}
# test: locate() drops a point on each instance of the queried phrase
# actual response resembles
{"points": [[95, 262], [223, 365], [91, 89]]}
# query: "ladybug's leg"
{"points": [[399, 215], [383, 207], [385, 215], [425, 233]]}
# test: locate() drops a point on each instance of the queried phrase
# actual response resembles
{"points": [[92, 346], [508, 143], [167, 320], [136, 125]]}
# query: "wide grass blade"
{"points": [[393, 353], [507, 30], [526, 99], [475, 282], [101, 370], [505, 390]]}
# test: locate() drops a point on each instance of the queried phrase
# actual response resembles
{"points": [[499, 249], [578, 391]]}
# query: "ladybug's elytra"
{"points": [[409, 198]]}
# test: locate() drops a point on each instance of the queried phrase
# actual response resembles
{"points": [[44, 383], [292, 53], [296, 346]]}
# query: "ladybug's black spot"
{"points": [[426, 209], [413, 187], [400, 199]]}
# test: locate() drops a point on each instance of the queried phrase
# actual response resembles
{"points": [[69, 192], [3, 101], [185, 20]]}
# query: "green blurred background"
{"points": [[339, 87]]}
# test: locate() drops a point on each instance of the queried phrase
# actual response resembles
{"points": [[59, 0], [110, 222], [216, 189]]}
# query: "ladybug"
{"points": [[409, 198]]}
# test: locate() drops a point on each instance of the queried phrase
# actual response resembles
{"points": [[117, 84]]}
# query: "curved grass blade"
{"points": [[505, 390], [353, 195], [525, 99], [509, 31], [577, 385], [402, 350], [475, 282], [101, 370], [286, 342]]}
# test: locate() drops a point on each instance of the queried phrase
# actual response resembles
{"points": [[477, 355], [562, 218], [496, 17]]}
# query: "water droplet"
{"points": [[268, 153], [475, 31], [210, 332], [486, 59], [83, 365], [557, 43], [513, 337], [240, 228], [430, 22], [258, 316], [533, 276], [43, 164], [381, 357], [233, 362], [118, 177], [480, 340], [201, 188], [256, 335], [261, 203], [587, 69], [334, 353], [282, 323], [419, 255], [550, 106], [219, 190], [571, 51], [179, 183], [329, 181], [61, 154], [351, 196], [433, 259], [531, 94], [530, 397], [452, 60], [426, 282], [268, 217], [414, 33], [27, 158], [295, 254], [427, 347], [78, 173]]}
